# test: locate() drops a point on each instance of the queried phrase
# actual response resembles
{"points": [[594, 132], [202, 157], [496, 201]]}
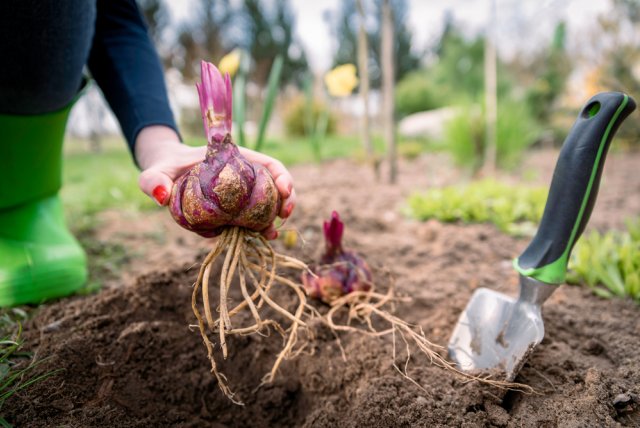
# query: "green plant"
{"points": [[270, 98], [516, 131], [513, 209], [239, 99], [15, 365], [340, 271], [609, 263], [416, 92], [464, 138], [93, 184], [305, 116], [315, 125], [552, 68], [411, 149], [296, 117]]}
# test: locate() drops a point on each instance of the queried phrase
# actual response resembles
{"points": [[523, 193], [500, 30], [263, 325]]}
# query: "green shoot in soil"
{"points": [[515, 210], [15, 365], [609, 263]]}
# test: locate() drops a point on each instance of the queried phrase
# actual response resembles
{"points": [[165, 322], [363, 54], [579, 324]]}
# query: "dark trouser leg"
{"points": [[44, 46]]}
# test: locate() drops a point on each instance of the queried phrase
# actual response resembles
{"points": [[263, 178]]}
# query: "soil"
{"points": [[130, 359]]}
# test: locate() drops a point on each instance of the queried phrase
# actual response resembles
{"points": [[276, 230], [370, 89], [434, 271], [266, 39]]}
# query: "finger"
{"points": [[156, 184], [183, 161], [280, 174], [288, 205], [284, 183]]}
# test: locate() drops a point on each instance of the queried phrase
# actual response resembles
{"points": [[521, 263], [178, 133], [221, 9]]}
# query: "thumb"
{"points": [[156, 184]]}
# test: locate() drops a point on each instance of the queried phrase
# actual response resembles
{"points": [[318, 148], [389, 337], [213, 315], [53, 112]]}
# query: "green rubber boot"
{"points": [[39, 258]]}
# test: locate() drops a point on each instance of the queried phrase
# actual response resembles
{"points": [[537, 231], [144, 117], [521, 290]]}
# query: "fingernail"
{"points": [[160, 194], [275, 235], [290, 188], [287, 211]]}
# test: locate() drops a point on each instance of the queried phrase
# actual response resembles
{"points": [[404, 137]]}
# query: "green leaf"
{"points": [[239, 97], [632, 285], [602, 292], [513, 209], [272, 92], [4, 370]]}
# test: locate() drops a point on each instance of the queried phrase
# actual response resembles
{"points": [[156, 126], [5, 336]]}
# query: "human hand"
{"points": [[163, 158], [284, 183]]}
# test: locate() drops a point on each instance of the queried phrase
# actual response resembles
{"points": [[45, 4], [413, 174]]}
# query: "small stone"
{"points": [[62, 404], [623, 400], [52, 327]]}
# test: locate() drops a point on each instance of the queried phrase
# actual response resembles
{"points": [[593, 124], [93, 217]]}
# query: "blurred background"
{"points": [[548, 57], [480, 80]]}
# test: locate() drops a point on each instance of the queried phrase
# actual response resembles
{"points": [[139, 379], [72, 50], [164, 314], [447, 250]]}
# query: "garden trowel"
{"points": [[496, 332]]}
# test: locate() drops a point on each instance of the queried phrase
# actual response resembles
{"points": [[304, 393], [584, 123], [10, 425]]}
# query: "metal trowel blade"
{"points": [[495, 332]]}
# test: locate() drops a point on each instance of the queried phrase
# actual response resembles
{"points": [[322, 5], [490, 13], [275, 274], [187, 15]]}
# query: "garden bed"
{"points": [[129, 358]]}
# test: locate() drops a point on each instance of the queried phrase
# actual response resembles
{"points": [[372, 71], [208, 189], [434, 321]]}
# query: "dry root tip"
{"points": [[363, 305]]}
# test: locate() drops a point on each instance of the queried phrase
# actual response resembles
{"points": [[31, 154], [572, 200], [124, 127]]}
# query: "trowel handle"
{"points": [[574, 187]]}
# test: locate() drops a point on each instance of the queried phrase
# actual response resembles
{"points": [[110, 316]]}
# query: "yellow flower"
{"points": [[230, 62], [341, 80]]}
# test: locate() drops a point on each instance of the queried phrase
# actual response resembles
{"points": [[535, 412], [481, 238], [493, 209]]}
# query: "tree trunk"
{"points": [[386, 53], [490, 94], [363, 60]]}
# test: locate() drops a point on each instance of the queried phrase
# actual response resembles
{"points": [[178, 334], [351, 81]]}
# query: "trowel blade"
{"points": [[495, 332]]}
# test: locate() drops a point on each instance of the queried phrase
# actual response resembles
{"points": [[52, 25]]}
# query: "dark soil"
{"points": [[130, 359]]}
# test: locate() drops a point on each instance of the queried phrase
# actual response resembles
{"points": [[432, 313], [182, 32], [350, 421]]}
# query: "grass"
{"points": [[15, 365], [94, 182]]}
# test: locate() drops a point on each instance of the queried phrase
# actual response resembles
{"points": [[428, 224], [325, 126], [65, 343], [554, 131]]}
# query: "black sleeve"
{"points": [[125, 64]]}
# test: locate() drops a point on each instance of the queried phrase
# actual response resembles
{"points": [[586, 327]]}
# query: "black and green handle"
{"points": [[574, 187]]}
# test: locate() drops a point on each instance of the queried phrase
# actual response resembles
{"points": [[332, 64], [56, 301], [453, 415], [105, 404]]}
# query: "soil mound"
{"points": [[129, 358]]}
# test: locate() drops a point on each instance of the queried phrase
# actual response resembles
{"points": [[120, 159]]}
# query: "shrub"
{"points": [[416, 93], [516, 130], [296, 117], [464, 138], [410, 149]]}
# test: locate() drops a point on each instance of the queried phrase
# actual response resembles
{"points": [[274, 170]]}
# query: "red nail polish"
{"points": [[288, 210], [160, 194]]}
